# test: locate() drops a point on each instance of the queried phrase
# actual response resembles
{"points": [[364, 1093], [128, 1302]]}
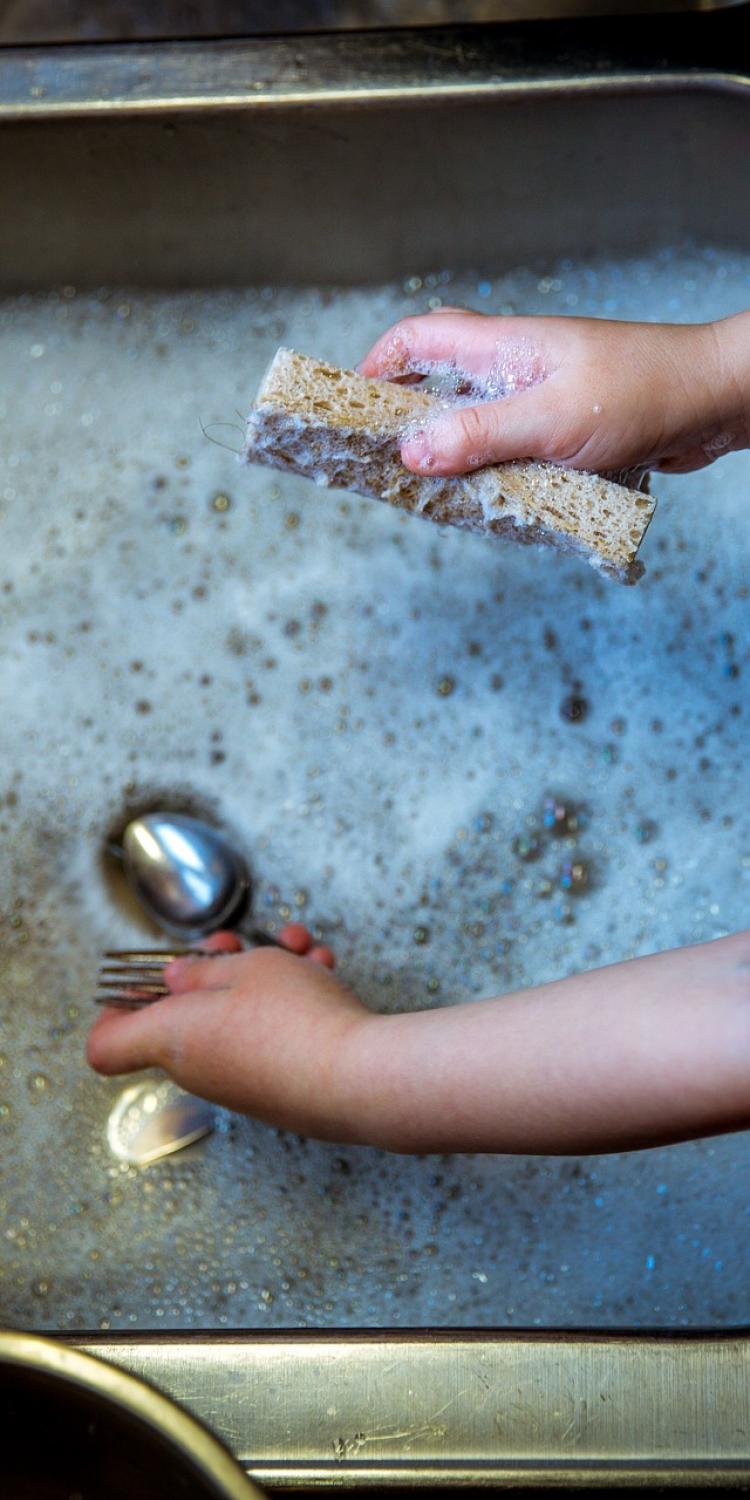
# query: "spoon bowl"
{"points": [[185, 874]]}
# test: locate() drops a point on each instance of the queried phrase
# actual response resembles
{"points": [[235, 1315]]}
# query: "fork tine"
{"points": [[148, 955], [125, 963], [133, 976], [117, 987], [124, 968], [121, 1002]]}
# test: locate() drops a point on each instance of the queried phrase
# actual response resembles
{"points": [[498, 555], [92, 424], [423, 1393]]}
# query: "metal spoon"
{"points": [[153, 1119], [191, 881], [188, 877]]}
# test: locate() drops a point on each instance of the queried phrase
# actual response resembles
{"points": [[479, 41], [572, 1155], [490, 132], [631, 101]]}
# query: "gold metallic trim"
{"points": [[448, 1409], [120, 1388]]}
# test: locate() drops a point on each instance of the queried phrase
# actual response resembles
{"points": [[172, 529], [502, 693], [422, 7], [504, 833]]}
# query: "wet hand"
{"points": [[263, 1032], [583, 392]]}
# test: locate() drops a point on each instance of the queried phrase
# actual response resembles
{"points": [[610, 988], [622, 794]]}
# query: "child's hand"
{"points": [[583, 392], [261, 1032]]}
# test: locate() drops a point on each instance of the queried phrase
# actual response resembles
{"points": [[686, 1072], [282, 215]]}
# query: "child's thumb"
{"points": [[123, 1042], [469, 437]]}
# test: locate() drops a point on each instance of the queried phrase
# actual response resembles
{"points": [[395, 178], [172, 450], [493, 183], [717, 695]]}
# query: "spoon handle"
{"points": [[259, 939]]}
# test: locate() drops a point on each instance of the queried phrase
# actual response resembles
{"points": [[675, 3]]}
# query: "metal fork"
{"points": [[130, 978]]}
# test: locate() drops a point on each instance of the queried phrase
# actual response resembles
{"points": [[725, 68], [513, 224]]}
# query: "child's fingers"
{"points": [[218, 973], [124, 1041], [323, 955], [185, 1034], [296, 937], [220, 942], [451, 336], [215, 972], [121, 1041], [469, 437], [183, 1025]]}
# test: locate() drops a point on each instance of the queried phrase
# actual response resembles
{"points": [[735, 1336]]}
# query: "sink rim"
{"points": [[352, 70]]}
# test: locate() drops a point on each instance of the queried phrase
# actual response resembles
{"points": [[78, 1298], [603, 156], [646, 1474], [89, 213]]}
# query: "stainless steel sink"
{"points": [[171, 213], [315, 160]]}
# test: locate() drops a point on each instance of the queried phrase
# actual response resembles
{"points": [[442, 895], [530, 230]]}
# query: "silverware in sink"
{"points": [[188, 877], [131, 978], [192, 881]]}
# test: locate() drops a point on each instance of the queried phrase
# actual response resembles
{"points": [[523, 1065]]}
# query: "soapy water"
{"points": [[516, 365], [382, 713]]}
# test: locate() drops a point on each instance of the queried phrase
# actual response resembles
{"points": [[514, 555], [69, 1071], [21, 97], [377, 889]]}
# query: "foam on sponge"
{"points": [[345, 432]]}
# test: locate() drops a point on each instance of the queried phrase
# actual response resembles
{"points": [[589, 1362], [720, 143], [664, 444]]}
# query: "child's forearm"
{"points": [[732, 336], [639, 1054]]}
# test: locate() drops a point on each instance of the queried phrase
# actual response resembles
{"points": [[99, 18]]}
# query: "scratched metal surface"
{"points": [[451, 1410], [374, 708]]}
